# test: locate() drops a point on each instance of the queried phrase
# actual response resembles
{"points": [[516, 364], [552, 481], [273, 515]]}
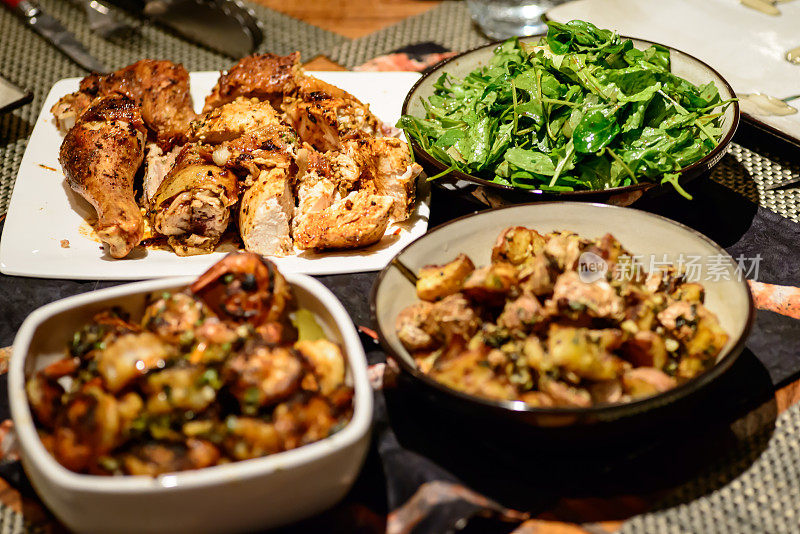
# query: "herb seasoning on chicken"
{"points": [[304, 164], [209, 375], [530, 327]]}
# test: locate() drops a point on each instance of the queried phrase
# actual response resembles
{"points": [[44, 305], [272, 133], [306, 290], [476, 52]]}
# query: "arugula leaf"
{"points": [[532, 161], [595, 131]]}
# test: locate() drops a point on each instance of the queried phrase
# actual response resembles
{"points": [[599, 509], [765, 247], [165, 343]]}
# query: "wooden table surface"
{"points": [[356, 18]]}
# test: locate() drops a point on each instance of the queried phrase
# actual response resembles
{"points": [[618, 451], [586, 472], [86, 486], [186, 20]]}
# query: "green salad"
{"points": [[581, 109]]}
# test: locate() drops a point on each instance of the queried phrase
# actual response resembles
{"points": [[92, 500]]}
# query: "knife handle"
{"points": [[26, 7]]}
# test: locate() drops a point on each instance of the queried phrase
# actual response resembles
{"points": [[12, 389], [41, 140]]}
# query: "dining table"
{"points": [[730, 464]]}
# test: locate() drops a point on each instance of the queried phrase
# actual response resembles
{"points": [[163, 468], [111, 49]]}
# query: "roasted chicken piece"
{"points": [[455, 318], [358, 220], [325, 116], [100, 156], [247, 136], [331, 212], [564, 249], [233, 120], [323, 178], [646, 381], [159, 88], [248, 155], [576, 299], [415, 327], [385, 164], [521, 313], [192, 205], [263, 76]]}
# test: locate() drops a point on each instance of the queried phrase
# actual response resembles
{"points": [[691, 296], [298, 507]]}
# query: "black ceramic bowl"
{"points": [[640, 232], [482, 191]]}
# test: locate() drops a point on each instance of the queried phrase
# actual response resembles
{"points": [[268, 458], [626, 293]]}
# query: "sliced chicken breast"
{"points": [[157, 165], [386, 162], [266, 212]]}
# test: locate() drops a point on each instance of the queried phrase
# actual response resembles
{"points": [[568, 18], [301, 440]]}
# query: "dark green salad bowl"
{"points": [[481, 190]]}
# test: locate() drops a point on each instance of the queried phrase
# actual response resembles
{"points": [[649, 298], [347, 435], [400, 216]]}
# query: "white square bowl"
{"points": [[240, 496]]}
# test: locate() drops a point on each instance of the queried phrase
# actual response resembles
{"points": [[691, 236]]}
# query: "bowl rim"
{"points": [[706, 162], [356, 429], [609, 410]]}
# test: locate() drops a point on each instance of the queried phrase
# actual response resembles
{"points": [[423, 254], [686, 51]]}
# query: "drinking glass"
{"points": [[500, 19]]}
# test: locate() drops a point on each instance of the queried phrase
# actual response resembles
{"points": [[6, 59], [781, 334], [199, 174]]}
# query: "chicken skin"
{"points": [[247, 136], [263, 76], [386, 164], [324, 115], [358, 220], [100, 156], [159, 88]]}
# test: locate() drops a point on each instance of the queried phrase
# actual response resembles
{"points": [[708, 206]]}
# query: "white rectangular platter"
{"points": [[44, 212], [746, 46]]}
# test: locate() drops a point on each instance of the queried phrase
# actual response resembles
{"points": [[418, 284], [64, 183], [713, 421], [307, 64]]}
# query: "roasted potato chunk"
{"points": [[585, 352], [464, 373], [491, 284], [516, 244], [690, 292], [435, 282], [695, 327]]}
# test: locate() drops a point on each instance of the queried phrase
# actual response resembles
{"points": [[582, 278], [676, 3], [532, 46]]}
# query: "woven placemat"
{"points": [[753, 488], [29, 61], [750, 173], [448, 24]]}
